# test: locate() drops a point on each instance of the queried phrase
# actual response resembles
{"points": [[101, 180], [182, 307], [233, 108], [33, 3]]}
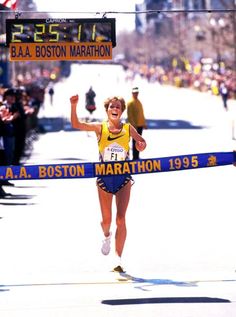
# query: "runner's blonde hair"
{"points": [[115, 98]]}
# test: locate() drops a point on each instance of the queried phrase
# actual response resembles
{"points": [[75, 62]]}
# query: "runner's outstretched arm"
{"points": [[140, 143]]}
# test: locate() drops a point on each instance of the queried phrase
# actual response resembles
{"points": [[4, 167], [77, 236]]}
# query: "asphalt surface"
{"points": [[179, 257]]}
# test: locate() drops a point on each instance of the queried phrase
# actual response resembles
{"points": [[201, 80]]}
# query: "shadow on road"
{"points": [[61, 124], [14, 200], [171, 124], [164, 300], [73, 159]]}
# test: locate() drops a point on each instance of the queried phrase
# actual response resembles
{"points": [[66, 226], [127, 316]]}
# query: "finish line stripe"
{"points": [[90, 170]]}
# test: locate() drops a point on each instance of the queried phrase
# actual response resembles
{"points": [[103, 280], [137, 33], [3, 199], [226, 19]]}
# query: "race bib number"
{"points": [[114, 153]]}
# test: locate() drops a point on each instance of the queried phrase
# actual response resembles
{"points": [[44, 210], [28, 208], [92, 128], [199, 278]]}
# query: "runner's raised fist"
{"points": [[74, 100]]}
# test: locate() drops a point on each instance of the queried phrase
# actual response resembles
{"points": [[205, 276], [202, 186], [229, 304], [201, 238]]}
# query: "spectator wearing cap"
{"points": [[7, 140], [11, 114], [19, 124], [135, 116]]}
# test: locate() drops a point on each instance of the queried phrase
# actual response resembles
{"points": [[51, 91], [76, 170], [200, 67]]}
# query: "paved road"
{"points": [[180, 253]]}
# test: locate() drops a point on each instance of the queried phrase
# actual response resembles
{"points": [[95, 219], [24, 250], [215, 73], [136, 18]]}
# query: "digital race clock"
{"points": [[60, 39], [60, 30]]}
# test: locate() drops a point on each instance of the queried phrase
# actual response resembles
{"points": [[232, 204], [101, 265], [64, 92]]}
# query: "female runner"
{"points": [[113, 143]]}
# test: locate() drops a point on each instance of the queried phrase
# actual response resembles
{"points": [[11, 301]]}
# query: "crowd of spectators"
{"points": [[19, 109], [204, 76]]}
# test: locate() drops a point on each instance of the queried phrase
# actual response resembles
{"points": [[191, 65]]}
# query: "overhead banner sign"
{"points": [[60, 51], [89, 170]]}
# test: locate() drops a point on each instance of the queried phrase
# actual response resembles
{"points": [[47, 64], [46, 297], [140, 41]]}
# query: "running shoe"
{"points": [[119, 269], [106, 245]]}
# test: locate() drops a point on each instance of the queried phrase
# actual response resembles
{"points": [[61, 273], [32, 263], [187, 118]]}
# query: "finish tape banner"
{"points": [[89, 170]]}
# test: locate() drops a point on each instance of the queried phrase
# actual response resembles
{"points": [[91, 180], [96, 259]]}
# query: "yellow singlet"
{"points": [[114, 146]]}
